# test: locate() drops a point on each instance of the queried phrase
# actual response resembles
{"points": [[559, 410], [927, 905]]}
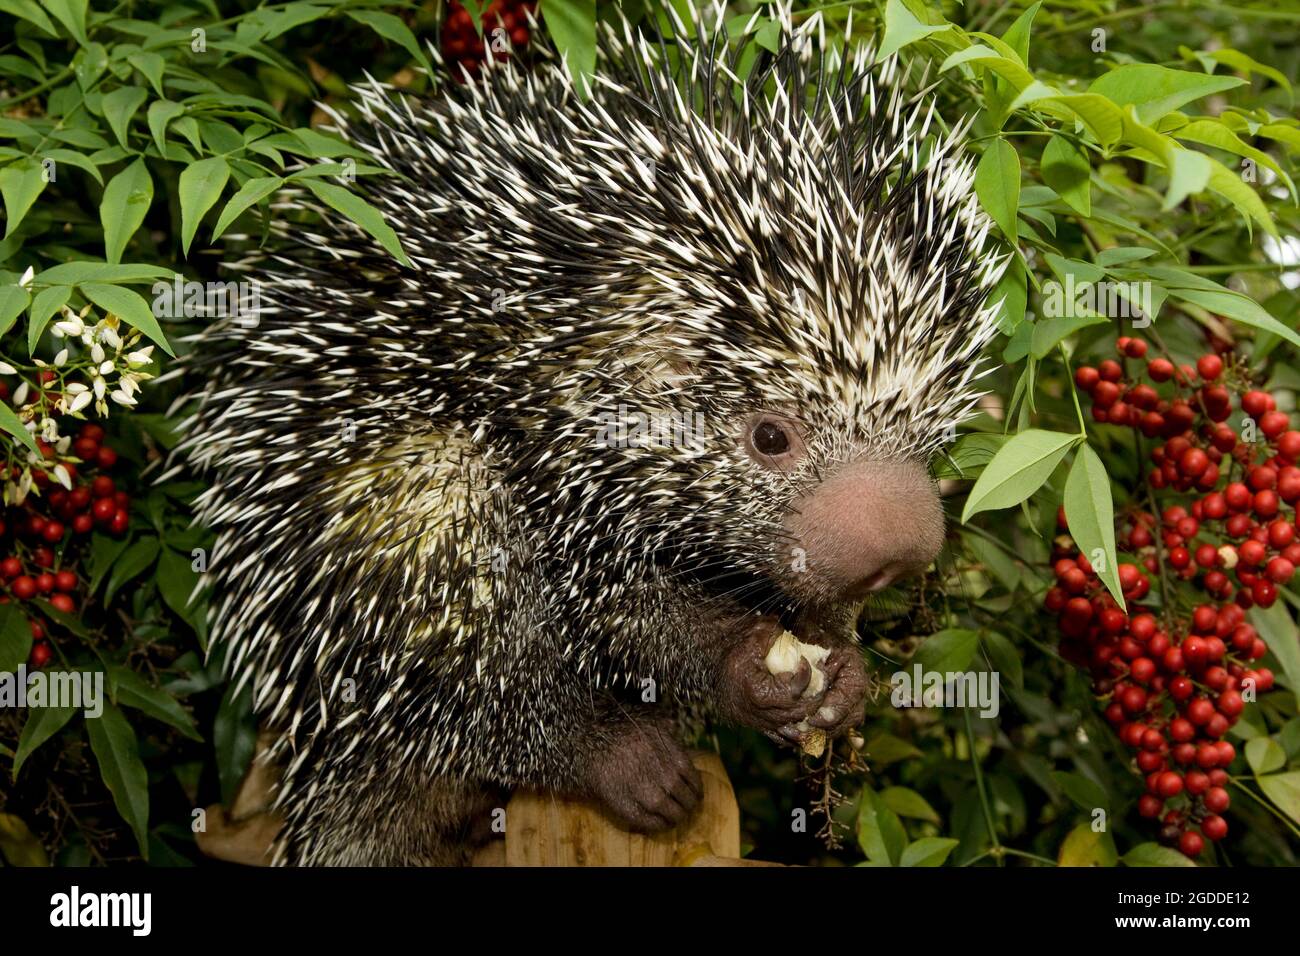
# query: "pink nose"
{"points": [[868, 525]]}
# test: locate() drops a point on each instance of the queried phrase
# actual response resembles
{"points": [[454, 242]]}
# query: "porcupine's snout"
{"points": [[867, 525]]}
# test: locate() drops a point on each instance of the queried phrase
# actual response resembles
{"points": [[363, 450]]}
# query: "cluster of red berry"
{"points": [[38, 536], [505, 28], [1174, 684]]}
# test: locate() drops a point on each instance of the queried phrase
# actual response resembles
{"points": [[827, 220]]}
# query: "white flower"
{"points": [[122, 398], [111, 337], [49, 429], [71, 325], [142, 357], [24, 486], [97, 353], [63, 444], [105, 367], [128, 384], [75, 388], [7, 369], [62, 477], [61, 359], [26, 281], [20, 394], [99, 385], [80, 401]]}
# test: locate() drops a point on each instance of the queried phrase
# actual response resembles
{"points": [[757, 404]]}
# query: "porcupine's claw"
{"points": [[644, 778], [751, 696]]}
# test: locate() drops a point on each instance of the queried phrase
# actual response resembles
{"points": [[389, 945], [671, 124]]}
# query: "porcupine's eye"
{"points": [[773, 442]]}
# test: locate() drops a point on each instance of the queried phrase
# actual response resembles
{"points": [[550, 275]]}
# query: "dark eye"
{"points": [[770, 438]]}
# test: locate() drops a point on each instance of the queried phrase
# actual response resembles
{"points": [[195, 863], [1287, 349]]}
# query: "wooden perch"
{"points": [[541, 829]]}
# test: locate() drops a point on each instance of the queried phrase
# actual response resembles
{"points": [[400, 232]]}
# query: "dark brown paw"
{"points": [[844, 701], [750, 695], [645, 779]]}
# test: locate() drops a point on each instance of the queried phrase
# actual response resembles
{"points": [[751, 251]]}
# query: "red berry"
{"points": [[1160, 369], [106, 458], [65, 581], [62, 602], [1200, 711], [104, 509], [40, 654], [1216, 799], [1191, 844], [1255, 403], [1086, 377], [1214, 827], [24, 588], [1210, 367], [1273, 424], [11, 567]]}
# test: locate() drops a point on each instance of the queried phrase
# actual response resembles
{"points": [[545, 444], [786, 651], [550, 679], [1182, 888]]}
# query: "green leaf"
{"points": [[1067, 170], [18, 845], [71, 158], [151, 67], [1017, 35], [1284, 790], [104, 552], [1084, 846], [13, 299], [1086, 794], [1157, 90], [127, 199], [1007, 67], [162, 112], [200, 188], [177, 580], [118, 754], [42, 724], [9, 422], [20, 184], [908, 803], [1090, 513], [234, 737], [47, 302], [119, 107], [1214, 133], [251, 192], [75, 273], [903, 28], [1244, 199], [393, 29], [129, 306], [1153, 854], [137, 558], [948, 651], [880, 833], [572, 26], [970, 455], [1235, 306], [129, 689], [1004, 657], [15, 638], [29, 11], [928, 851], [1264, 754], [884, 749], [72, 14], [362, 213], [1018, 470], [997, 183], [1278, 631]]}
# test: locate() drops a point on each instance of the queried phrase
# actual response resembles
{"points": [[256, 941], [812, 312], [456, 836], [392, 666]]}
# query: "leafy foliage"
{"points": [[1117, 141]]}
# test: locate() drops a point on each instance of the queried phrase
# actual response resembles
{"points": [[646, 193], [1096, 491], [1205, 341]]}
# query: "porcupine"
{"points": [[433, 486]]}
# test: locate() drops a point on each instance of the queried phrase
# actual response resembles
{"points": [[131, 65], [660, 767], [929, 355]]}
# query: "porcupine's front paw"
{"points": [[644, 778], [778, 704], [752, 696]]}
